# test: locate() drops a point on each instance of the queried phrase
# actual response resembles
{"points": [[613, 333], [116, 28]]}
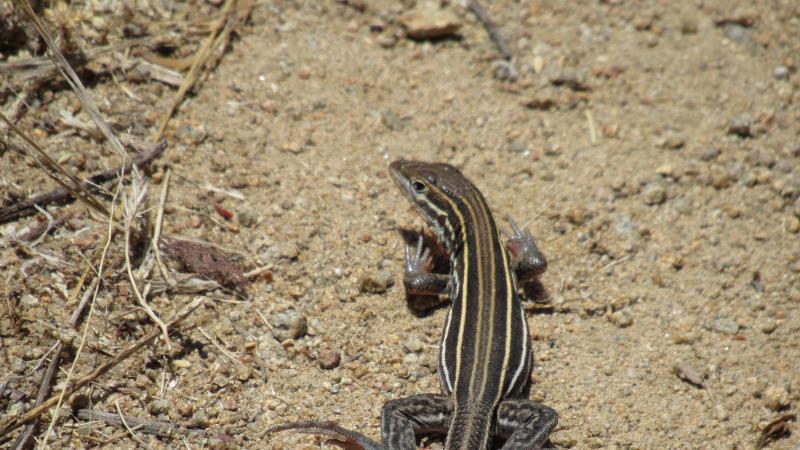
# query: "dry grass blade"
{"points": [[218, 32], [135, 197], [36, 412], [75, 83], [51, 167], [28, 207]]}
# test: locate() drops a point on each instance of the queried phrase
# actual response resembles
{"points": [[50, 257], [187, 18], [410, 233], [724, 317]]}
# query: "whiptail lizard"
{"points": [[485, 355]]}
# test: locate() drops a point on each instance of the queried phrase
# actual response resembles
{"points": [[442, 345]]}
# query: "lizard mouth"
{"points": [[402, 182]]}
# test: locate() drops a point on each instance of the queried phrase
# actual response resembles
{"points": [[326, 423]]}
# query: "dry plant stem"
{"points": [[47, 379], [51, 167], [157, 427], [157, 232], [94, 291], [202, 56], [127, 427], [134, 286], [72, 78], [37, 411], [491, 28], [60, 195]]}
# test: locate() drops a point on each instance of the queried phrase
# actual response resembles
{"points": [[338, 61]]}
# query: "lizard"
{"points": [[485, 355]]}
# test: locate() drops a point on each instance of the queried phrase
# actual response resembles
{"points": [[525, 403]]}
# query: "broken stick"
{"points": [[35, 412], [491, 28], [61, 196]]}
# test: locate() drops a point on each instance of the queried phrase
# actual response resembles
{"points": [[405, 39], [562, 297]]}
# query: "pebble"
{"points": [[377, 282], [684, 333], [518, 146], [185, 409], [564, 438], [768, 325], [413, 344], [329, 359], [793, 224], [723, 325], [781, 73], [672, 142], [158, 407], [29, 300], [243, 372], [428, 21], [740, 126], [621, 318], [709, 154], [688, 373], [776, 397], [577, 215], [290, 324], [654, 194], [719, 177]]}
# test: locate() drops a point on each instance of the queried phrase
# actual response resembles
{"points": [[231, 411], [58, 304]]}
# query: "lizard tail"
{"points": [[342, 437]]}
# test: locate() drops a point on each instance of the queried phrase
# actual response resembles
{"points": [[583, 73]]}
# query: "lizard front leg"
{"points": [[405, 418], [526, 258], [422, 286], [526, 423]]}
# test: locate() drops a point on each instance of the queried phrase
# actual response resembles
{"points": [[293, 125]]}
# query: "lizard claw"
{"points": [[420, 261]]}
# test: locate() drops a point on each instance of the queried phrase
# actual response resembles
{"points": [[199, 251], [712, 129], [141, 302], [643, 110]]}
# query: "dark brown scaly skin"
{"points": [[485, 355]]}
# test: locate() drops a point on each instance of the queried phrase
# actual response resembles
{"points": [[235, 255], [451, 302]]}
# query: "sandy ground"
{"points": [[653, 148]]}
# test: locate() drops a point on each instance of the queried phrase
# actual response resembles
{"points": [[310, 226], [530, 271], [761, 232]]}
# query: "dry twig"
{"points": [[218, 33], [156, 427], [37, 411], [491, 28], [61, 195]]}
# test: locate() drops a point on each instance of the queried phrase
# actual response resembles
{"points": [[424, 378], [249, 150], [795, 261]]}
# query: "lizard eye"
{"points": [[418, 186]]}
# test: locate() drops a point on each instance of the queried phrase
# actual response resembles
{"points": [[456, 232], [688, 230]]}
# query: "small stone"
{"points": [[792, 224], [577, 215], [654, 194], [248, 219], [673, 142], [376, 283], [413, 344], [243, 373], [543, 100], [429, 21], [289, 324], [181, 363], [688, 373], [387, 40], [185, 409], [767, 326], [740, 126], [781, 73], [721, 413], [723, 325], [29, 300], [666, 170], [684, 333], [621, 318], [564, 438], [776, 397], [518, 146], [329, 359], [158, 406], [709, 154], [719, 177]]}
